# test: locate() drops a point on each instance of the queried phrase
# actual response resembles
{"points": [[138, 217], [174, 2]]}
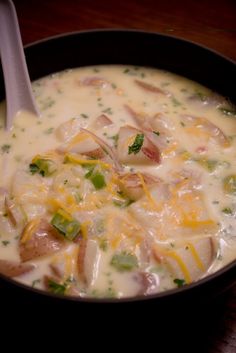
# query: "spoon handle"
{"points": [[19, 94]]}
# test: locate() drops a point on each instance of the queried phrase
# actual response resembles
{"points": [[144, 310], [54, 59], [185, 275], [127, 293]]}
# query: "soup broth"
{"points": [[125, 185]]}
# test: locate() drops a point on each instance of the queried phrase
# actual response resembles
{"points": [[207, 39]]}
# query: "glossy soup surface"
{"points": [[125, 186]]}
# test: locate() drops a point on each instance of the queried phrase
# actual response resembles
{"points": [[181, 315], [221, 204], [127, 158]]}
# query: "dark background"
{"points": [[211, 23]]}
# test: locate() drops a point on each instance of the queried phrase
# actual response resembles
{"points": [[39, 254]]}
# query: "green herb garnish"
{"points": [[179, 282], [85, 116], [56, 288], [156, 133], [5, 242], [227, 210], [6, 148], [137, 144]]}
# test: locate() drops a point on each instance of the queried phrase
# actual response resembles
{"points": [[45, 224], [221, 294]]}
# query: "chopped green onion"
{"points": [[98, 180], [45, 167], [124, 261], [65, 224]]}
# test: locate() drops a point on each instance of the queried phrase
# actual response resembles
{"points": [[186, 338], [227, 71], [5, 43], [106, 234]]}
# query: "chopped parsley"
{"points": [[156, 133], [228, 211], [56, 288], [85, 116], [5, 242], [137, 144], [5, 148], [179, 282], [49, 131], [108, 111], [115, 139]]}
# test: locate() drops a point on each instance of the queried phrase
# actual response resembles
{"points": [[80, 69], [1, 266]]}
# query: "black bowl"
{"points": [[130, 47]]}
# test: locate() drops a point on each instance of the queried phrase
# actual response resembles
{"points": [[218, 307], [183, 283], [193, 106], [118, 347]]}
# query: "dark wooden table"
{"points": [[208, 22]]}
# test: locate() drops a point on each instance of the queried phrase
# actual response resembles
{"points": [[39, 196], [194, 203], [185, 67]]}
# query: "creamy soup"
{"points": [[125, 186]]}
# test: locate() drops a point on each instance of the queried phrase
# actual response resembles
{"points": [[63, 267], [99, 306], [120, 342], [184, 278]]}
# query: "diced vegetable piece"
{"points": [[131, 184], [124, 262], [38, 239], [14, 269], [45, 167], [188, 261], [135, 147], [229, 184], [98, 180], [65, 224], [148, 283], [68, 129], [88, 260], [101, 121]]}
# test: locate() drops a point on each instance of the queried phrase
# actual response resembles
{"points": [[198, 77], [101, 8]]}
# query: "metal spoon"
{"points": [[19, 94]]}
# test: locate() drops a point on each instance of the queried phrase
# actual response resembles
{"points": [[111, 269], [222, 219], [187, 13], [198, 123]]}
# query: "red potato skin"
{"points": [[80, 260], [153, 154], [45, 240], [149, 88], [14, 269]]}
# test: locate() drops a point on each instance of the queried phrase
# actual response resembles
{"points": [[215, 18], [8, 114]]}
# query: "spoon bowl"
{"points": [[19, 94]]}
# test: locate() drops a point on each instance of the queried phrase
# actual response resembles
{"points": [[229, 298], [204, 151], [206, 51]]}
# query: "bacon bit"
{"points": [[102, 121], [43, 240], [153, 154], [150, 88], [14, 269], [94, 81]]}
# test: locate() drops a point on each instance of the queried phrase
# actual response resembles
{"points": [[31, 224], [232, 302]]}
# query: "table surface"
{"points": [[211, 23]]}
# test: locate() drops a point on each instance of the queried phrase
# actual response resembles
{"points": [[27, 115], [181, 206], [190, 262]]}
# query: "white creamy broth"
{"points": [[125, 186]]}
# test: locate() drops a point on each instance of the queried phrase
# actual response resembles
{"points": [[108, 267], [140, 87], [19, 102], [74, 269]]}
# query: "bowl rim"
{"points": [[156, 296]]}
